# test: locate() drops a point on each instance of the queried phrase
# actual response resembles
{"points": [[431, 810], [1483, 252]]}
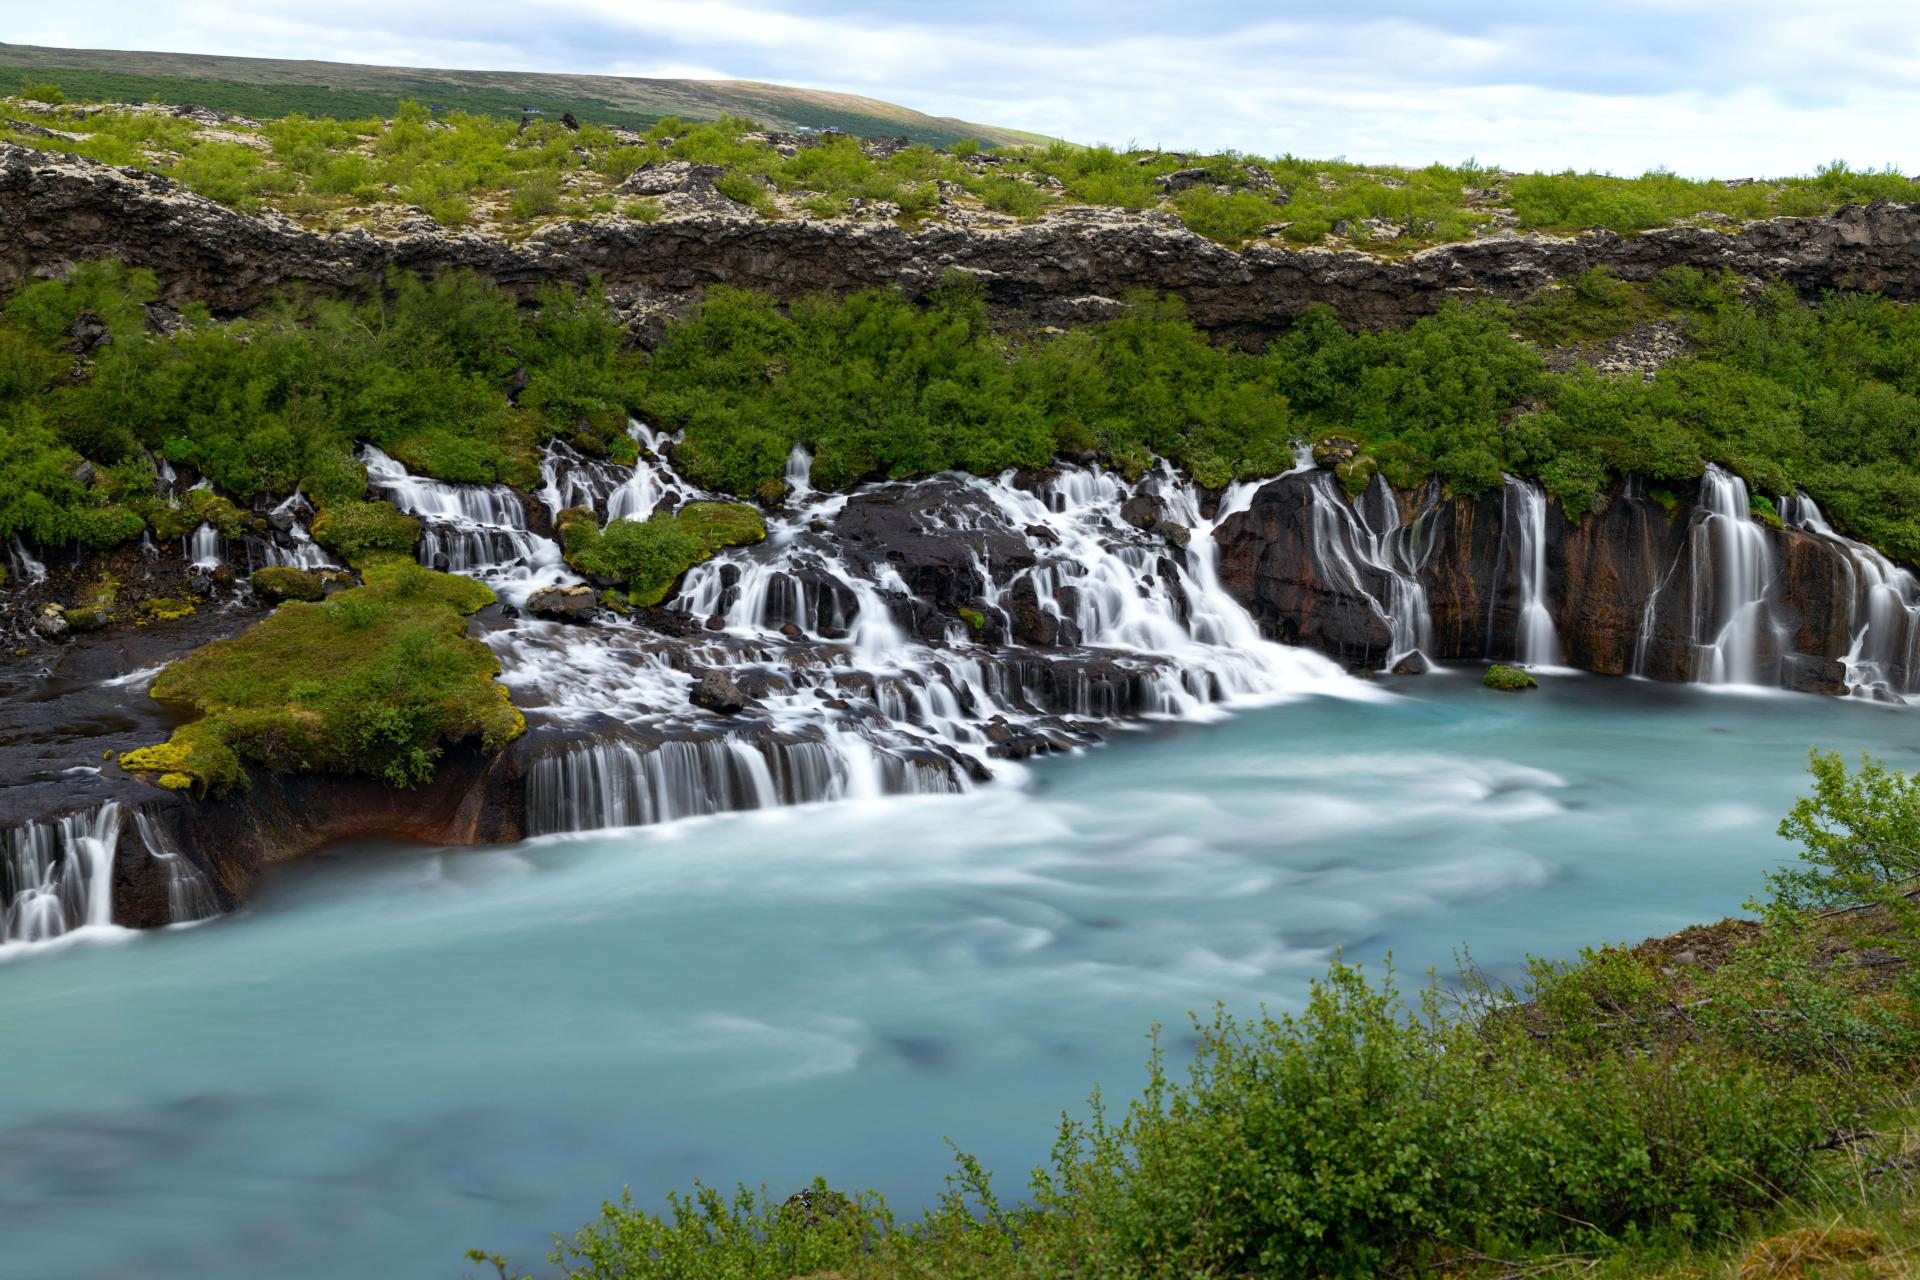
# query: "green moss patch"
{"points": [[649, 555], [283, 582], [354, 530], [376, 680], [1510, 679]]}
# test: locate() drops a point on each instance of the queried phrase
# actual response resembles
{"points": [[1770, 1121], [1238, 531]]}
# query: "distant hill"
{"points": [[264, 87]]}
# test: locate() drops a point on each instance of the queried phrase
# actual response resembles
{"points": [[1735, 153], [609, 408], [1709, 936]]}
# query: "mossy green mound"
{"points": [[376, 680], [649, 555], [1511, 679], [284, 582], [354, 530]]}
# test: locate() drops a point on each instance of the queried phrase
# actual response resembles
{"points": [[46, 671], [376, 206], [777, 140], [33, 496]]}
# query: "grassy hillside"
{"points": [[265, 87]]}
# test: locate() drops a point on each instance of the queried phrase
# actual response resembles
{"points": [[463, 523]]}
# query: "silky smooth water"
{"points": [[397, 1053]]}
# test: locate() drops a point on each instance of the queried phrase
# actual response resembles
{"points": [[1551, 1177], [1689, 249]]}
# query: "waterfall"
{"points": [[203, 548], [302, 552], [1732, 574], [476, 529], [22, 568], [56, 876], [1363, 540], [1883, 609], [571, 479], [799, 474], [190, 896], [1523, 530]]}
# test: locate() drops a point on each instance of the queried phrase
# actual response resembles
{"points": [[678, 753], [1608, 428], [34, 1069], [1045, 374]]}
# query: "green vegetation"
{"points": [[472, 159], [283, 582], [648, 556], [1616, 1114], [1787, 395], [1506, 678], [376, 680], [1823, 397], [258, 406]]}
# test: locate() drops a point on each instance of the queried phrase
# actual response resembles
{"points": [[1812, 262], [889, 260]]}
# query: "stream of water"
{"points": [[395, 1053]]}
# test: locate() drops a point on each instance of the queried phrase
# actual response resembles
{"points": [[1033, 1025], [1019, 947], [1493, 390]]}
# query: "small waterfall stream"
{"points": [[203, 548], [21, 565], [1365, 548], [1732, 574], [56, 876], [1523, 535], [1883, 652], [300, 551], [475, 529]]}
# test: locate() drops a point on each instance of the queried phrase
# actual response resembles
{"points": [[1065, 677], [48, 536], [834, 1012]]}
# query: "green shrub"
{"points": [[648, 556], [283, 582]]}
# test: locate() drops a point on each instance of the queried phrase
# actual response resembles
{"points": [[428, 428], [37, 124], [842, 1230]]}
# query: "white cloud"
{"points": [[1700, 86]]}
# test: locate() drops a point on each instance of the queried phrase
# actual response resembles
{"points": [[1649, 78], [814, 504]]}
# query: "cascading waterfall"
{"points": [[1732, 574], [56, 876], [1523, 534], [1883, 652], [190, 896], [1363, 540], [799, 474], [475, 529], [848, 703], [302, 552], [21, 565], [203, 548]]}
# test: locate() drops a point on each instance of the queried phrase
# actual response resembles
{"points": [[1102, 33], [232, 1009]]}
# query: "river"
{"points": [[395, 1054]]}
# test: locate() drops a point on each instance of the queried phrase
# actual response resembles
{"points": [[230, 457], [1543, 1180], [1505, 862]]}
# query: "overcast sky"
{"points": [[1705, 87]]}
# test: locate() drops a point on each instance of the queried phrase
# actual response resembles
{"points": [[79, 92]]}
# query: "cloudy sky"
{"points": [[1705, 87]]}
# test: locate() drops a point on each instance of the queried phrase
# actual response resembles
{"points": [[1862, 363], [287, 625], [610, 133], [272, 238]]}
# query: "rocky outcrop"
{"points": [[1060, 268]]}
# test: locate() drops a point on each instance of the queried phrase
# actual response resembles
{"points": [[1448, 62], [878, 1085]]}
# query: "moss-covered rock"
{"points": [[376, 680], [355, 530], [649, 556], [284, 582], [1508, 679]]}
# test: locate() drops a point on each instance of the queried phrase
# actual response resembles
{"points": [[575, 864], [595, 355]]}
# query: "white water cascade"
{"points": [[189, 895], [56, 876], [859, 687], [203, 548], [1732, 573], [1523, 530], [1883, 652], [302, 552], [21, 565], [1363, 546], [476, 529]]}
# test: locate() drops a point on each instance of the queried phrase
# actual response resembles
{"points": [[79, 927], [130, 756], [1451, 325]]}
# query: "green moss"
{"points": [[1355, 474], [973, 618], [650, 555], [376, 680], [354, 530], [164, 609], [283, 582], [1506, 678]]}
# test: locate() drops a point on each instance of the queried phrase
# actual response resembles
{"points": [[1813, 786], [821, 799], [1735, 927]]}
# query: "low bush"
{"points": [[648, 556]]}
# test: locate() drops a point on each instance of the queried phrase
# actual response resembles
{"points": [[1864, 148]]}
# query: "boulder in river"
{"points": [[564, 604], [716, 691]]}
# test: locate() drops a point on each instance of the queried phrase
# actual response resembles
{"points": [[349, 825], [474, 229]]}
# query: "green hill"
{"points": [[265, 87]]}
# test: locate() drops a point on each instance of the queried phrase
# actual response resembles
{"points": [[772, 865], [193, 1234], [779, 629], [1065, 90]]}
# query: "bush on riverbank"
{"points": [[376, 680], [1625, 1107]]}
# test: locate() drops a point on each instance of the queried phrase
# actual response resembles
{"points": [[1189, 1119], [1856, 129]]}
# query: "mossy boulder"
{"points": [[1508, 679], [1356, 473], [377, 680], [649, 556], [355, 530], [284, 582]]}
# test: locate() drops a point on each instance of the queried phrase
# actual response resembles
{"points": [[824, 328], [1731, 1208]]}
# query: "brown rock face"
{"points": [[471, 800], [1063, 267]]}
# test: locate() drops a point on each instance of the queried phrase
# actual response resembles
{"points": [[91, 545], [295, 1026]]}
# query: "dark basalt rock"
{"points": [[63, 209], [716, 691], [564, 604]]}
